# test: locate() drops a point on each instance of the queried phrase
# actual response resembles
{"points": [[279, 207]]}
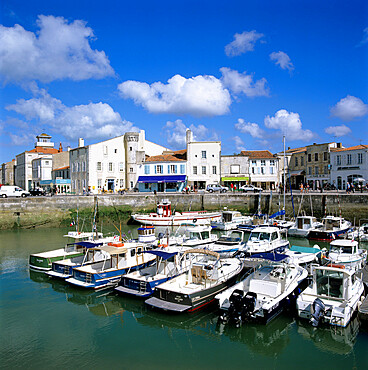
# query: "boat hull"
{"points": [[45, 263], [177, 220], [327, 235]]}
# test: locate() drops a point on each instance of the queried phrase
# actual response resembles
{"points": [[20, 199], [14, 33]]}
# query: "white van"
{"points": [[13, 191]]}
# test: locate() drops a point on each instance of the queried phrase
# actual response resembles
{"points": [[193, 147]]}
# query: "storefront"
{"points": [[62, 186], [235, 181], [167, 183]]}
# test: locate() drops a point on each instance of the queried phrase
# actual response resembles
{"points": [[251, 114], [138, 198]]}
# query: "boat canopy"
{"points": [[279, 213], [164, 255], [89, 244], [157, 179], [274, 257], [301, 249], [114, 250], [202, 251]]}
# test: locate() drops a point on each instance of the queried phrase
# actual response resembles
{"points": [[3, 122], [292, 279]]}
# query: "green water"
{"points": [[44, 323]]}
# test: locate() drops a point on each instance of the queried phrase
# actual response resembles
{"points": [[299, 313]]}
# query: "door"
{"points": [[160, 187], [110, 184]]}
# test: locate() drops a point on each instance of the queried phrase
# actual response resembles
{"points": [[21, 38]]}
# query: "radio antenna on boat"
{"points": [[284, 185]]}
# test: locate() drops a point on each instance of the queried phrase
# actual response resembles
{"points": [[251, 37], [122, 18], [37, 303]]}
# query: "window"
{"points": [[360, 158], [105, 150], [325, 156], [182, 168], [316, 157], [271, 170], [132, 252], [159, 168], [235, 168], [263, 162], [195, 171], [325, 168], [99, 166], [214, 170], [348, 159], [46, 162], [131, 184], [121, 166], [115, 150], [173, 168], [309, 157], [84, 166], [316, 170], [146, 169], [253, 170], [203, 170], [131, 169], [130, 148], [110, 166], [309, 170], [99, 183], [254, 162], [296, 161], [338, 160], [302, 161], [204, 154], [262, 170], [121, 183], [272, 162]]}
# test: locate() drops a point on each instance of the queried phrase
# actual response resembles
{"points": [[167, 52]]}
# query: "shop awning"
{"points": [[234, 178], [297, 173], [166, 178]]}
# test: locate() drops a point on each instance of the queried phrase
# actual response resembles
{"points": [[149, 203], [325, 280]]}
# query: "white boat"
{"points": [[206, 275], [230, 220], [301, 255], [360, 234], [165, 217], [333, 228], [229, 243], [302, 226], [191, 235], [265, 239], [346, 252], [332, 297], [263, 294]]}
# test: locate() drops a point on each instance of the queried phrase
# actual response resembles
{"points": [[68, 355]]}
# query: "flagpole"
{"points": [[284, 186]]}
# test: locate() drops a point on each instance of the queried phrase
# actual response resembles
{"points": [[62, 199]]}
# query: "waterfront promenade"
{"points": [[56, 210]]}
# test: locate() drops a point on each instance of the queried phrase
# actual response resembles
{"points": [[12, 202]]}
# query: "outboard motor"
{"points": [[249, 303], [235, 311], [319, 309]]}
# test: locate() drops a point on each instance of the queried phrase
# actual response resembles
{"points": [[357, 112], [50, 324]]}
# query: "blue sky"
{"points": [[241, 72]]}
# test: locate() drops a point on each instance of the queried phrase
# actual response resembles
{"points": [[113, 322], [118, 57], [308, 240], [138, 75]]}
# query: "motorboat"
{"points": [[191, 235], [206, 275], [360, 234], [333, 228], [229, 243], [141, 283], [302, 226], [43, 261], [265, 239], [230, 220], [302, 255], [165, 217], [122, 258], [346, 252], [332, 297], [263, 294]]}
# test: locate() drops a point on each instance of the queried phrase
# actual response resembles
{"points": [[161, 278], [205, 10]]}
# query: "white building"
{"points": [[348, 164], [41, 170], [110, 165], [204, 162], [263, 168], [234, 170], [163, 173], [23, 169]]}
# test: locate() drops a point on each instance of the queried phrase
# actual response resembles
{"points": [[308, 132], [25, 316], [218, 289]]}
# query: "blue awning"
{"points": [[276, 257], [89, 244], [279, 213], [162, 254], [163, 178]]}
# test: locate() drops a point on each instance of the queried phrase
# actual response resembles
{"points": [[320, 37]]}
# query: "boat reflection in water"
{"points": [[334, 339], [266, 340]]}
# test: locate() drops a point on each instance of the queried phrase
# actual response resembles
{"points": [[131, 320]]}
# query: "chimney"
{"points": [[60, 148], [80, 142], [339, 145]]}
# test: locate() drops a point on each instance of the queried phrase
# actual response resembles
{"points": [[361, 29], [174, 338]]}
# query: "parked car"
{"points": [[37, 191], [250, 188], [13, 191], [217, 187]]}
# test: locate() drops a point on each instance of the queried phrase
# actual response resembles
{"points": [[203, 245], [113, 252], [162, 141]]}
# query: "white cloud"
{"points": [[282, 59], [199, 96], [349, 108], [289, 124], [243, 83], [338, 131], [176, 133], [239, 144], [242, 43], [59, 50], [91, 121], [252, 129]]}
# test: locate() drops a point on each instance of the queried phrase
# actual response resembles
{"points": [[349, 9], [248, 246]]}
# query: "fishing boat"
{"points": [[206, 275], [303, 225], [230, 220], [361, 233], [265, 239], [332, 297], [263, 294], [229, 243], [302, 255], [43, 261], [142, 283], [165, 217], [333, 228], [123, 258], [346, 252]]}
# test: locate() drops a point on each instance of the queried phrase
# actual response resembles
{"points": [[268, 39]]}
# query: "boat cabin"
{"points": [[198, 233], [146, 234], [264, 234], [164, 209], [332, 223], [344, 246], [305, 222]]}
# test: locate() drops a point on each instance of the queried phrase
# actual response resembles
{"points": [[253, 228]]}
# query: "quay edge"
{"points": [[58, 210]]}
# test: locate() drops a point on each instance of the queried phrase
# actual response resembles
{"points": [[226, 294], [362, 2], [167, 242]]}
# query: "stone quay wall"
{"points": [[52, 211]]}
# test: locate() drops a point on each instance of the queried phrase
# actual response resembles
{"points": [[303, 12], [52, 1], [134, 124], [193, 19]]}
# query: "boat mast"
{"points": [[284, 185]]}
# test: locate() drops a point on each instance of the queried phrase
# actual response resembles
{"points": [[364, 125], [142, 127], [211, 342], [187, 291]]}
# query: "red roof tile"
{"points": [[257, 154], [164, 158], [356, 147]]}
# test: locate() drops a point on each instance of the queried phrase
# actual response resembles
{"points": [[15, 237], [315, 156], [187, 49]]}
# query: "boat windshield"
{"points": [[259, 236], [233, 237], [330, 283], [341, 249]]}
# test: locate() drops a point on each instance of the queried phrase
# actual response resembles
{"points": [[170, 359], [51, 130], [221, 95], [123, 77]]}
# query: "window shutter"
{"points": [[155, 169], [168, 169]]}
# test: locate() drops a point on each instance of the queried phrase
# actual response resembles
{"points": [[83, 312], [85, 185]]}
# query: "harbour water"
{"points": [[45, 323]]}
